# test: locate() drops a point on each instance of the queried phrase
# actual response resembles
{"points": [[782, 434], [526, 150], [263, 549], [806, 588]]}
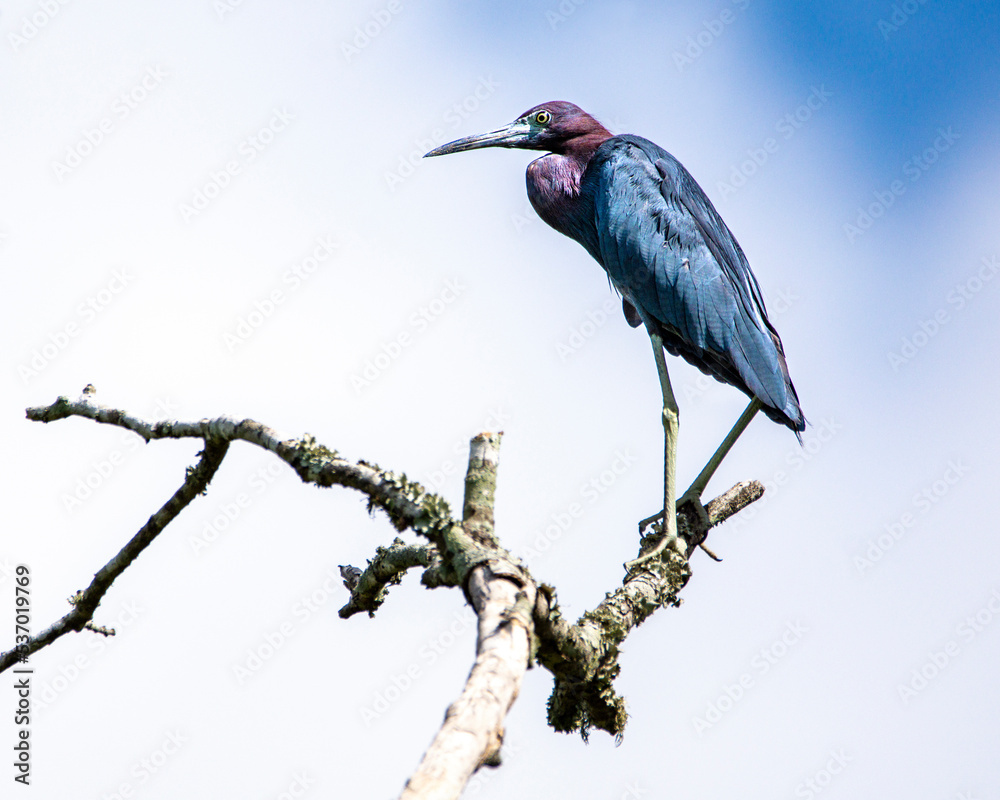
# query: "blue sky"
{"points": [[223, 209]]}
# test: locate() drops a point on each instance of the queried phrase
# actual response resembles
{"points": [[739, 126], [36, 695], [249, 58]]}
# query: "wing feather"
{"points": [[669, 253]]}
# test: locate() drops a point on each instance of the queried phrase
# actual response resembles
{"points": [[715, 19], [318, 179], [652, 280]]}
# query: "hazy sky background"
{"points": [[219, 208]]}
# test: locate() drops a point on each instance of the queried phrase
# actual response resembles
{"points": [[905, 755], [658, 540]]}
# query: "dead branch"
{"points": [[85, 603], [518, 619], [386, 569], [503, 597]]}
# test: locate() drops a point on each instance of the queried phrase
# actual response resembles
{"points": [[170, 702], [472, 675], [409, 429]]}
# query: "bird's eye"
{"points": [[543, 117]]}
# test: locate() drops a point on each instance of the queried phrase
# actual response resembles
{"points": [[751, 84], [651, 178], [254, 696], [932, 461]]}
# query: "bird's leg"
{"points": [[693, 494], [671, 426]]}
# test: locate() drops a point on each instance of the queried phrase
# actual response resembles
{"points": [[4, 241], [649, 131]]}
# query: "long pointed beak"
{"points": [[513, 135]]}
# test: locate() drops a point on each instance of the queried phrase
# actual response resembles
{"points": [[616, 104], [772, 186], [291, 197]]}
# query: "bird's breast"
{"points": [[553, 183]]}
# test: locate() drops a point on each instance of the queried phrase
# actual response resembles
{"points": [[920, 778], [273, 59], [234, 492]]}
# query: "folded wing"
{"points": [[675, 261]]}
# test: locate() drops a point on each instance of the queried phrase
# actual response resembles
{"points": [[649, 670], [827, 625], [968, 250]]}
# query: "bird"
{"points": [[667, 252]]}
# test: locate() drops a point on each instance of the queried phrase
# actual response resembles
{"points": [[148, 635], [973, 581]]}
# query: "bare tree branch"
{"points": [[385, 570], [85, 603], [584, 657], [401, 499], [405, 502], [518, 619], [503, 596]]}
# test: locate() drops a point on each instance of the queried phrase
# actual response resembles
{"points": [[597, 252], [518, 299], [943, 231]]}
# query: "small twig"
{"points": [[85, 603], [710, 554], [732, 501], [386, 569]]}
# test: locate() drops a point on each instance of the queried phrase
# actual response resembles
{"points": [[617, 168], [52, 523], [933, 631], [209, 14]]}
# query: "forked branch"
{"points": [[519, 621]]}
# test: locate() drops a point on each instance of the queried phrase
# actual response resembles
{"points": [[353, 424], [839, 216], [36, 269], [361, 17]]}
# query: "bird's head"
{"points": [[558, 127]]}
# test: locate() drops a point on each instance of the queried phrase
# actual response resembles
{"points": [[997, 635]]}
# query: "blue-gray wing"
{"points": [[669, 253]]}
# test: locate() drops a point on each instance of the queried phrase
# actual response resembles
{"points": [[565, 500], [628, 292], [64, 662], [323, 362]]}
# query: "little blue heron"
{"points": [[675, 263]]}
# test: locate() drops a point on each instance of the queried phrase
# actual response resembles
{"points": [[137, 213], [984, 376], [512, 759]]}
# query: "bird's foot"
{"points": [[645, 523], [691, 506], [700, 522], [692, 499], [689, 498], [662, 543]]}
